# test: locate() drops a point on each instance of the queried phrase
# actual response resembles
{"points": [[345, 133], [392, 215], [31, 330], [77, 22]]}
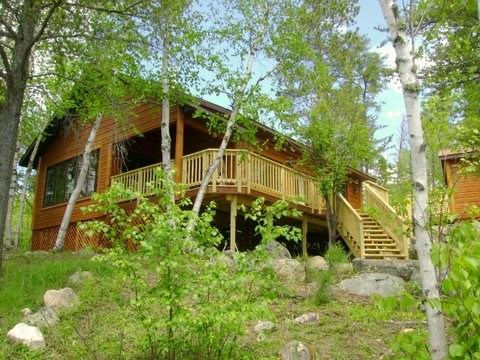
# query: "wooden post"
{"points": [[233, 223], [179, 140], [108, 166], [304, 236]]}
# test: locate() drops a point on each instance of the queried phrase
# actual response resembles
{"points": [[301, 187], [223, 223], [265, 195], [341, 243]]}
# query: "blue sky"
{"points": [[393, 108]]}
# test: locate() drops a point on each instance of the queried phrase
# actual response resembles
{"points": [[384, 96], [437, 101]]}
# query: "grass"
{"points": [[349, 327]]}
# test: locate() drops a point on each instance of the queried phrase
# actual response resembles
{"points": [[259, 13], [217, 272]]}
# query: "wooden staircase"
{"points": [[384, 237], [377, 243]]}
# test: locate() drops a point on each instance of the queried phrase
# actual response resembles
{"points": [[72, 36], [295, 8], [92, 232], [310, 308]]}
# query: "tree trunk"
{"points": [[165, 127], [411, 89], [78, 186], [23, 195], [16, 68], [10, 111], [11, 200], [232, 119]]}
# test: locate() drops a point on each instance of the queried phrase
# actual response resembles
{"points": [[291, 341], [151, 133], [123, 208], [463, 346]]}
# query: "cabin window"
{"points": [[62, 177]]}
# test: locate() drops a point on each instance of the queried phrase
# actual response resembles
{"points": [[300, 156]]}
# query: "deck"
{"points": [[240, 172]]}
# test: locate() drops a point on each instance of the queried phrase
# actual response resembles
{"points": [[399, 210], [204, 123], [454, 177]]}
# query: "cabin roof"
{"points": [[55, 125]]}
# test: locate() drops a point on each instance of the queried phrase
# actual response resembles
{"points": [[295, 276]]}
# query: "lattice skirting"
{"points": [[76, 239], [44, 239]]}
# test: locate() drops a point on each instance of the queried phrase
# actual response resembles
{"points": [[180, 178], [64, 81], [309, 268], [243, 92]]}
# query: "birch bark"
{"points": [[411, 89], [11, 199], [59, 243], [23, 195]]}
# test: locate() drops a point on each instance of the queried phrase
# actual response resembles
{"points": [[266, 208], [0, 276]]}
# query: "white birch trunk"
{"points": [[23, 196], [165, 126], [232, 119], [78, 186], [411, 90], [11, 198]]}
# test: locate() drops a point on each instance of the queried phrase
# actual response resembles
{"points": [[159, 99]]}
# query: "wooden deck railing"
{"points": [[139, 179], [247, 171], [242, 170], [351, 228], [393, 224]]}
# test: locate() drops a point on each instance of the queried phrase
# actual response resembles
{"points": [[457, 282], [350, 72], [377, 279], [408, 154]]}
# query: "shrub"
{"points": [[190, 300]]}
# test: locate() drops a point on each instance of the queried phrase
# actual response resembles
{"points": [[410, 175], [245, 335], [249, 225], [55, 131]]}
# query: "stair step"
{"points": [[382, 252], [379, 242], [383, 246], [378, 256]]}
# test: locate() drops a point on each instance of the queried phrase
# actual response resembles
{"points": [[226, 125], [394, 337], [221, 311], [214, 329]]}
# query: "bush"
{"points": [[335, 255], [190, 300], [461, 287]]}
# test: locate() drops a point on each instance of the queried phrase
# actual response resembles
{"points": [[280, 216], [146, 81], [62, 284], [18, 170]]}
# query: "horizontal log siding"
{"points": [[67, 145], [467, 188]]}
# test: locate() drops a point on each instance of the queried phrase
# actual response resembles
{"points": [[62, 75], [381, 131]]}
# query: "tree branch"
{"points": [[45, 21]]}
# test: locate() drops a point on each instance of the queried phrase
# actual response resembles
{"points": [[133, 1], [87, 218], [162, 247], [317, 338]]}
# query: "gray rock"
{"points": [[79, 277], [307, 318], [46, 316], [265, 327], [295, 350], [400, 268], [368, 284], [86, 252], [28, 335], [317, 263], [57, 299], [26, 311], [289, 270], [343, 268], [277, 250], [37, 253]]}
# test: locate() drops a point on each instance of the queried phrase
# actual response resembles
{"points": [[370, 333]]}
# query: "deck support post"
{"points": [[179, 140], [304, 236], [233, 223]]}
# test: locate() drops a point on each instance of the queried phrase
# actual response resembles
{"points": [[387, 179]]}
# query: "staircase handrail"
{"points": [[387, 216], [351, 226]]}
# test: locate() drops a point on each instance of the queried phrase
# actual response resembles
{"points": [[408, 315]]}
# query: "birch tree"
{"points": [[23, 194], [174, 38], [247, 30], [411, 88], [9, 242], [62, 232]]}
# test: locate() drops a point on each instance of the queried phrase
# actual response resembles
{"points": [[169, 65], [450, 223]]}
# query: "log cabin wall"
{"points": [[70, 144], [467, 187]]}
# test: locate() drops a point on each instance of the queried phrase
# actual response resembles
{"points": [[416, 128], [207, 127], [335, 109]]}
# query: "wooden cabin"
{"points": [[465, 186], [246, 173]]}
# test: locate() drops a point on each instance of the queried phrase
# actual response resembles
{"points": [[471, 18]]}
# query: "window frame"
{"points": [[61, 179]]}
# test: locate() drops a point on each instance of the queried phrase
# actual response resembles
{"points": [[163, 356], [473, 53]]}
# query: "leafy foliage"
{"points": [[266, 215], [176, 282], [459, 258]]}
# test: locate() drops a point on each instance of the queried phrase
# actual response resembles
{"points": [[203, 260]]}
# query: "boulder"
{"points": [[289, 270], [277, 250], [265, 327], [57, 299], [368, 284], [86, 252], [317, 263], [295, 350], [26, 311], [28, 335], [400, 268], [343, 268], [46, 316], [307, 318], [79, 277]]}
